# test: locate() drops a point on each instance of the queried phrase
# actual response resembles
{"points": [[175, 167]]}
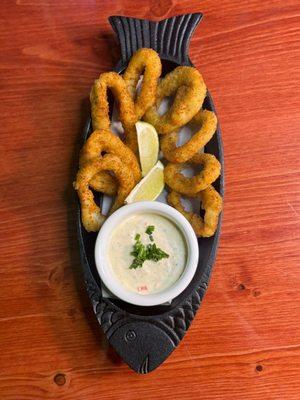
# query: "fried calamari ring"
{"points": [[211, 202], [105, 183], [191, 186], [147, 62], [190, 91], [105, 141], [208, 122], [100, 105], [131, 139], [91, 216]]}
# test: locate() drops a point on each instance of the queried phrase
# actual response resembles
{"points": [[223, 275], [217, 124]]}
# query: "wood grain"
{"points": [[244, 342]]}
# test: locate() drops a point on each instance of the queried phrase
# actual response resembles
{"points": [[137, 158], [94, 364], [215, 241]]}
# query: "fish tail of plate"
{"points": [[169, 37]]}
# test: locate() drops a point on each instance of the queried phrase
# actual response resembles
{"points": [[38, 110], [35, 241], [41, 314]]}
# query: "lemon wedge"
{"points": [[150, 187], [148, 145]]}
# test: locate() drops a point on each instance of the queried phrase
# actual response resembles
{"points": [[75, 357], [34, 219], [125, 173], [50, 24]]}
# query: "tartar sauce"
{"points": [[152, 277]]}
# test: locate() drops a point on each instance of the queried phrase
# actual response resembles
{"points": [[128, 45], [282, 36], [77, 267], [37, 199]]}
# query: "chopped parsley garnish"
{"points": [[150, 229], [137, 236], [141, 253], [155, 253]]}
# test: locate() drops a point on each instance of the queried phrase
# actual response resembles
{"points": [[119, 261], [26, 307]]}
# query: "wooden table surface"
{"points": [[244, 342]]}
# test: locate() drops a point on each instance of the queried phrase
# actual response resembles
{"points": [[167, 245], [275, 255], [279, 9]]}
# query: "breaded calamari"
{"points": [[211, 202], [104, 141], [147, 62], [187, 84], [211, 169], [208, 124], [91, 215], [100, 105]]}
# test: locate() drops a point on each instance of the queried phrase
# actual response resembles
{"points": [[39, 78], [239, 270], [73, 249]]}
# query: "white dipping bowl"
{"points": [[104, 268]]}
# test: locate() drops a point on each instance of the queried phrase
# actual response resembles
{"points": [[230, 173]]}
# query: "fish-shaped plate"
{"points": [[145, 336]]}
